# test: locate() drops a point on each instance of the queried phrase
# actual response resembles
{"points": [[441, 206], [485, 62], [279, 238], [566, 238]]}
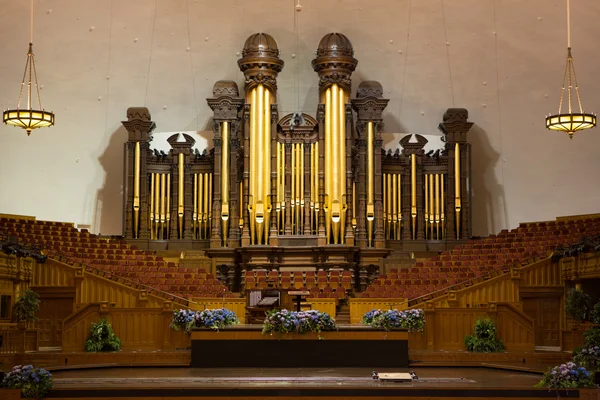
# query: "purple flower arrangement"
{"points": [[588, 357], [567, 376], [284, 321], [33, 382], [214, 319], [413, 320]]}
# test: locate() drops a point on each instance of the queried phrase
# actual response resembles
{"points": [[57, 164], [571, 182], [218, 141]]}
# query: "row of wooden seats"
{"points": [[114, 258], [481, 257]]}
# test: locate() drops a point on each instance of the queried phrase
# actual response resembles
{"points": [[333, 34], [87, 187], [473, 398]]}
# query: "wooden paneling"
{"points": [[53, 273], [582, 266], [334, 335], [323, 305], [542, 273], [95, 288], [360, 306], [17, 340], [50, 320], [516, 329]]}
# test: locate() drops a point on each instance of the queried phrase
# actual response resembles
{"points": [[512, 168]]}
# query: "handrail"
{"points": [[184, 301]]}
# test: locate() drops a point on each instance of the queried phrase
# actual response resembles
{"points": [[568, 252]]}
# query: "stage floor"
{"points": [[220, 378]]}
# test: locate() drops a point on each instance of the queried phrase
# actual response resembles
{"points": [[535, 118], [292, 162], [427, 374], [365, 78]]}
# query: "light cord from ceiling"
{"points": [[151, 49], [447, 53]]}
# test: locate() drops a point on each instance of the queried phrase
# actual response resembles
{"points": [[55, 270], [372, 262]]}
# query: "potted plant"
{"points": [[578, 305], [34, 383], [102, 338], [484, 340], [26, 307]]}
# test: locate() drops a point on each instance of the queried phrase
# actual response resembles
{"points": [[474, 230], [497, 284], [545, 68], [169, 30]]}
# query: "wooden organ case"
{"points": [[300, 192]]}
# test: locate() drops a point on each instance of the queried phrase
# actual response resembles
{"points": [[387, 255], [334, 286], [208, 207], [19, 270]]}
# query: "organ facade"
{"points": [[301, 190]]}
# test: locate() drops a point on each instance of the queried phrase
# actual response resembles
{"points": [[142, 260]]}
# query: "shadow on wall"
{"points": [[108, 210], [488, 206]]}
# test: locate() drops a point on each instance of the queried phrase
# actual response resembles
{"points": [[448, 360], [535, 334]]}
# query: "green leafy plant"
{"points": [[596, 313], [567, 376], [26, 307], [484, 340], [591, 337], [578, 305], [102, 338]]}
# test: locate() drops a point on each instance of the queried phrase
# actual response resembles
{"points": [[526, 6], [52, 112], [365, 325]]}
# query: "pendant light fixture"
{"points": [[570, 122], [29, 118]]}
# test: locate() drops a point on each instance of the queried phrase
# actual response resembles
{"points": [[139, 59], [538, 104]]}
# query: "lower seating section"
{"points": [[116, 259], [335, 283], [480, 258]]}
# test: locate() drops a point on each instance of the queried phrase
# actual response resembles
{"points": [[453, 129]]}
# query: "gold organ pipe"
{"points": [[260, 165], [371, 185], [156, 204], [209, 201], [328, 172], [398, 233], [241, 204], [302, 166], [168, 206], [431, 206], [413, 194], [252, 178], [282, 187], [180, 200], [385, 207], [278, 198], [426, 205], [205, 206], [316, 187], [457, 202], [151, 206], [195, 208], [136, 190], [354, 205], [266, 152], [394, 205], [388, 191], [293, 187], [335, 164], [311, 186], [163, 183], [442, 206], [224, 180], [199, 216], [437, 205], [342, 162], [298, 194]]}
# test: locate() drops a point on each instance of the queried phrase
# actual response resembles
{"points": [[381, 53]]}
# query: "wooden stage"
{"points": [[240, 346]]}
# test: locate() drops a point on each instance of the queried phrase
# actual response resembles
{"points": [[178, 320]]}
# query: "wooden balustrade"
{"points": [[17, 339], [360, 306]]}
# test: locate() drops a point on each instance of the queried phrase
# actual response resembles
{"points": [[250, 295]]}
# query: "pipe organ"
{"points": [[272, 182]]}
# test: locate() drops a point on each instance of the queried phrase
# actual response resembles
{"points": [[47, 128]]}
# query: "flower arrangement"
{"points": [[567, 376], [284, 321], [214, 319], [588, 357], [33, 382], [413, 320]]}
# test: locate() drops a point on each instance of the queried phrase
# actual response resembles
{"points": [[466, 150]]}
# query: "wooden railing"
{"points": [[584, 266], [360, 306], [446, 328], [17, 339]]}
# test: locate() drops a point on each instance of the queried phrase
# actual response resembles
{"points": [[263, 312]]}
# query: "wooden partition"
{"points": [[16, 339], [360, 306], [323, 305], [446, 328], [237, 305]]}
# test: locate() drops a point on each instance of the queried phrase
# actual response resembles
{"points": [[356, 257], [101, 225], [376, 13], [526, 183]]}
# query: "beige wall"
{"points": [[501, 59]]}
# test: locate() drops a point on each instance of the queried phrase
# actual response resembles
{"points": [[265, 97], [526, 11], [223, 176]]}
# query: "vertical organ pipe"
{"points": [[224, 181], [335, 164], [394, 205], [431, 206], [205, 202], [426, 206], [260, 165], [252, 178], [195, 208], [163, 183], [180, 194], [342, 162], [136, 190], [328, 173], [156, 205], [413, 194], [370, 184], [457, 201], [199, 205], [151, 206], [168, 206], [398, 233], [266, 153], [437, 206]]}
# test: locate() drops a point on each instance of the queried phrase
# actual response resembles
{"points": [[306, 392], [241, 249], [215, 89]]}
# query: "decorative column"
{"points": [[246, 176], [181, 210], [321, 240], [226, 105], [334, 64], [369, 105], [415, 220], [455, 127], [139, 126]]}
